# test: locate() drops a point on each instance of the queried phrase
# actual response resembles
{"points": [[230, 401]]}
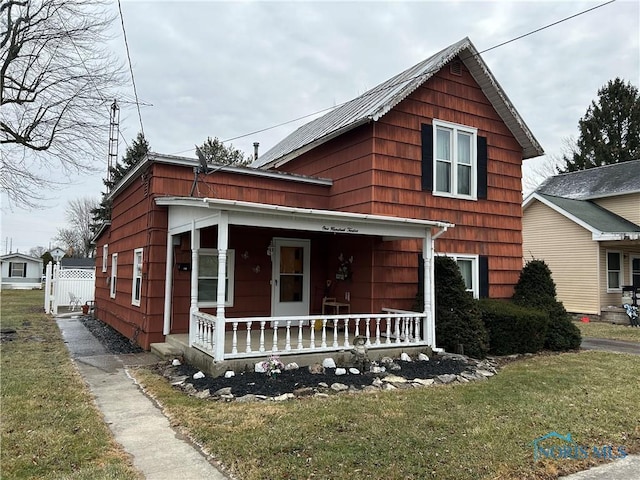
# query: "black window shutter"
{"points": [[482, 167], [420, 304], [483, 273], [427, 157], [10, 269]]}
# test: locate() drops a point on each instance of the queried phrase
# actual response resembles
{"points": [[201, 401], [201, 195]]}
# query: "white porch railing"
{"points": [[259, 336]]}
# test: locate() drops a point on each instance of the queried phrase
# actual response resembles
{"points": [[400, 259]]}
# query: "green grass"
{"points": [[50, 426], [609, 330], [472, 431]]}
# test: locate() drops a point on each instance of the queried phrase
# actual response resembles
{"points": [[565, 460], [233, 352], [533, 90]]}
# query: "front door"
{"points": [[290, 277]]}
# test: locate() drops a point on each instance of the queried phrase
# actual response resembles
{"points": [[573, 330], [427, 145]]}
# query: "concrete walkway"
{"points": [[158, 451]]}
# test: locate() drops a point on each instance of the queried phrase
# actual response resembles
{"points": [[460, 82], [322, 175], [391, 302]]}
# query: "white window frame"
{"points": [[231, 262], [620, 271], [22, 270], [105, 256], [114, 275], [455, 129], [475, 269], [136, 283]]}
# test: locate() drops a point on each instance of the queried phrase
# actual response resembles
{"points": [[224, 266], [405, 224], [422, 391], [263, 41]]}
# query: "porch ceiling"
{"points": [[184, 212]]}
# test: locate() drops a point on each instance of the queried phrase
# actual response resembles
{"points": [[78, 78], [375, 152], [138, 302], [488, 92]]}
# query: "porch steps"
{"points": [[165, 351]]}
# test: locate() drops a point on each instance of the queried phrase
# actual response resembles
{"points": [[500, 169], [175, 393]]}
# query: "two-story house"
{"points": [[331, 234], [586, 226]]}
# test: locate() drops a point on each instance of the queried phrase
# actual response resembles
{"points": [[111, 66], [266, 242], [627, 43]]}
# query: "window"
{"points": [[474, 273], [105, 255], [17, 269], [455, 153], [136, 287], [614, 270], [208, 277], [114, 274], [454, 161]]}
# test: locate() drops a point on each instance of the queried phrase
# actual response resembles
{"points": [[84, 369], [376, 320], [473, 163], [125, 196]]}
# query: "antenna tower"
{"points": [[114, 120]]}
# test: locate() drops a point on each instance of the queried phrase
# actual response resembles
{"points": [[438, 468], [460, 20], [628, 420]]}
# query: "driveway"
{"points": [[607, 345]]}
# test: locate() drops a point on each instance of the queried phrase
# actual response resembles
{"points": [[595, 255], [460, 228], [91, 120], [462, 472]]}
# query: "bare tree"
{"points": [[547, 167], [55, 81], [37, 251], [77, 238]]}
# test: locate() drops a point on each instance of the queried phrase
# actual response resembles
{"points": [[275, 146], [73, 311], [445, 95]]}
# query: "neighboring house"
{"points": [[57, 254], [586, 226], [21, 271], [343, 216], [78, 263]]}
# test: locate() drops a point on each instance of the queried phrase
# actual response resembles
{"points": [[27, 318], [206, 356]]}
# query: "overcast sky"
{"points": [[225, 69]]}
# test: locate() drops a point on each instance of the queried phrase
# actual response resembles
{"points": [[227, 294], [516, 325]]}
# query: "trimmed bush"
{"points": [[536, 289], [458, 320], [512, 328]]}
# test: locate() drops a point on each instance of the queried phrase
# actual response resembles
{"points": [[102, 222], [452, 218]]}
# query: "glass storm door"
{"points": [[290, 278]]}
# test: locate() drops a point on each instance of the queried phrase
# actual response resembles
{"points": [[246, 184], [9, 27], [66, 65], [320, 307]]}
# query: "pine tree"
{"points": [[610, 129], [216, 152]]}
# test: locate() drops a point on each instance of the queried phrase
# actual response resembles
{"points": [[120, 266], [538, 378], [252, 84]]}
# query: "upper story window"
{"points": [[136, 287], [614, 270], [454, 160], [208, 277], [18, 269]]}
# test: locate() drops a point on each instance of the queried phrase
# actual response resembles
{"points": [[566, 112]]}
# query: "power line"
{"points": [[133, 80], [386, 87]]}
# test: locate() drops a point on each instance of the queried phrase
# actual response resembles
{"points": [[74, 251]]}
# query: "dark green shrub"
{"points": [[536, 289], [513, 328], [458, 320]]}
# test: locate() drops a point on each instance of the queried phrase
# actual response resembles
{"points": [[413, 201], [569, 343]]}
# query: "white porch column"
{"points": [[223, 244], [168, 275], [47, 288], [195, 246], [429, 323]]}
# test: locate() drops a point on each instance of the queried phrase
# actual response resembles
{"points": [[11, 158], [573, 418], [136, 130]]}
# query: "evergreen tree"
{"points": [[610, 129], [133, 155], [216, 152], [458, 319], [536, 289]]}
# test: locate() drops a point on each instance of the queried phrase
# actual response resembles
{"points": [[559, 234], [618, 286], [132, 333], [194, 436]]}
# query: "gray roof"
{"points": [[78, 262], [592, 214], [372, 105], [599, 182]]}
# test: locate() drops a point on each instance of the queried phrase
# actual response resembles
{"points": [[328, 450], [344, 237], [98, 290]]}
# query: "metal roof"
{"points": [[373, 104], [593, 215], [609, 180]]}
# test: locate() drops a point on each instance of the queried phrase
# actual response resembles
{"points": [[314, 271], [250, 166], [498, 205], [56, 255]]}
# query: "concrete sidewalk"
{"points": [[158, 451]]}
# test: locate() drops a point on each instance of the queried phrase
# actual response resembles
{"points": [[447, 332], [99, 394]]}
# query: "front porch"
{"points": [[304, 340]]}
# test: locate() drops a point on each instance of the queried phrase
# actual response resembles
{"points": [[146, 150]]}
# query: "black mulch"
{"points": [[288, 381], [111, 339]]}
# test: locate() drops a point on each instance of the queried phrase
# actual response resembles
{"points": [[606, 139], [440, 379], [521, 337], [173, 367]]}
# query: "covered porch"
{"points": [[293, 323]]}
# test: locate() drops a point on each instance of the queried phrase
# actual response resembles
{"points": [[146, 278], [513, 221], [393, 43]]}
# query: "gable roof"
{"points": [[21, 256], [606, 181], [597, 219], [373, 104]]}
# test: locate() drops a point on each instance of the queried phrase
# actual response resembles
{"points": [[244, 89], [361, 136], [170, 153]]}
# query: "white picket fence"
{"points": [[69, 288]]}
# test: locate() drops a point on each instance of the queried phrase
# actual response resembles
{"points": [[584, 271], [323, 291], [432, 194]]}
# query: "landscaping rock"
{"points": [[423, 358], [260, 368], [223, 391], [394, 379], [203, 394], [339, 387], [178, 380], [198, 375], [283, 397], [176, 362], [323, 385], [329, 363], [291, 366], [247, 398], [446, 378], [425, 382], [354, 371], [377, 383], [388, 386], [304, 392], [404, 356], [341, 371], [485, 373], [316, 369], [229, 374]]}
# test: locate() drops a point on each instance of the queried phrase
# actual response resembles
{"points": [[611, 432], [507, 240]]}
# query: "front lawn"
{"points": [[50, 426], [472, 431], [609, 330]]}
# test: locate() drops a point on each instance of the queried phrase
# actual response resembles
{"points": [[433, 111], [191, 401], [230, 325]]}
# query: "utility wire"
{"points": [[133, 80], [387, 87]]}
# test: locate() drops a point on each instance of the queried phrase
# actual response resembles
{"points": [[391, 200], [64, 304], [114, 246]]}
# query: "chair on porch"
{"points": [[331, 303]]}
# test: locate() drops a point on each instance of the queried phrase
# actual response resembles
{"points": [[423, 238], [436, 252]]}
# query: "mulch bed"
{"points": [[111, 339], [246, 383]]}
